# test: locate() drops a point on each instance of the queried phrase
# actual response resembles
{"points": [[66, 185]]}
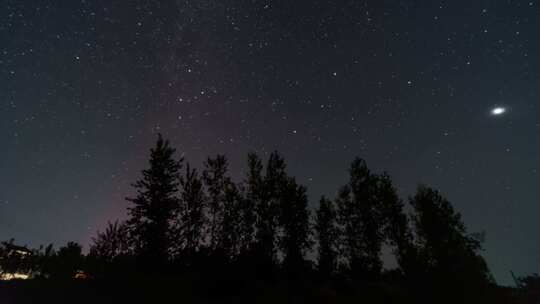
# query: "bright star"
{"points": [[498, 111]]}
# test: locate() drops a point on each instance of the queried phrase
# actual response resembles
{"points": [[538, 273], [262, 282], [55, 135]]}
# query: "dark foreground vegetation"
{"points": [[195, 237]]}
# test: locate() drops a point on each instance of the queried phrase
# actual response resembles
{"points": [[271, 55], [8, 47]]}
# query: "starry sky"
{"points": [[411, 86]]}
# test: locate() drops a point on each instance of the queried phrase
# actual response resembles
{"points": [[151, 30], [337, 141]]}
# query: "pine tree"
{"points": [[153, 208], [327, 235]]}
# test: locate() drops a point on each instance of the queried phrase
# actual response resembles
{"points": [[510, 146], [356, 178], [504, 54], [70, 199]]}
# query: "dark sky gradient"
{"points": [[407, 85]]}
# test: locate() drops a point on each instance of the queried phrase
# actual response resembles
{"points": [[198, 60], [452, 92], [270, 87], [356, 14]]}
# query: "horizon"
{"points": [[442, 94]]}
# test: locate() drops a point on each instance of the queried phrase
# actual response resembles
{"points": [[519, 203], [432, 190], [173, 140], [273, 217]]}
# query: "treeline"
{"points": [[185, 220], [182, 221]]}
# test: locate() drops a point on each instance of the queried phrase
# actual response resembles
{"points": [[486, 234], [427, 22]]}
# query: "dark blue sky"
{"points": [[407, 85]]}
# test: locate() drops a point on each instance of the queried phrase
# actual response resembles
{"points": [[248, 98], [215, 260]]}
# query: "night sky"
{"points": [[411, 86]]}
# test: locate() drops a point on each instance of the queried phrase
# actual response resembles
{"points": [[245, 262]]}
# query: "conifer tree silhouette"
{"points": [[153, 208]]}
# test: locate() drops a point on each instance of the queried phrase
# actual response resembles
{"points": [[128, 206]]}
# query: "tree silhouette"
{"points": [[253, 195], [45, 261], [395, 223], [267, 207], [360, 220], [191, 218], [110, 250], [231, 226], [294, 217], [448, 254], [224, 208], [153, 208], [247, 219], [214, 176], [267, 210], [327, 236], [111, 243], [68, 261], [192, 229]]}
